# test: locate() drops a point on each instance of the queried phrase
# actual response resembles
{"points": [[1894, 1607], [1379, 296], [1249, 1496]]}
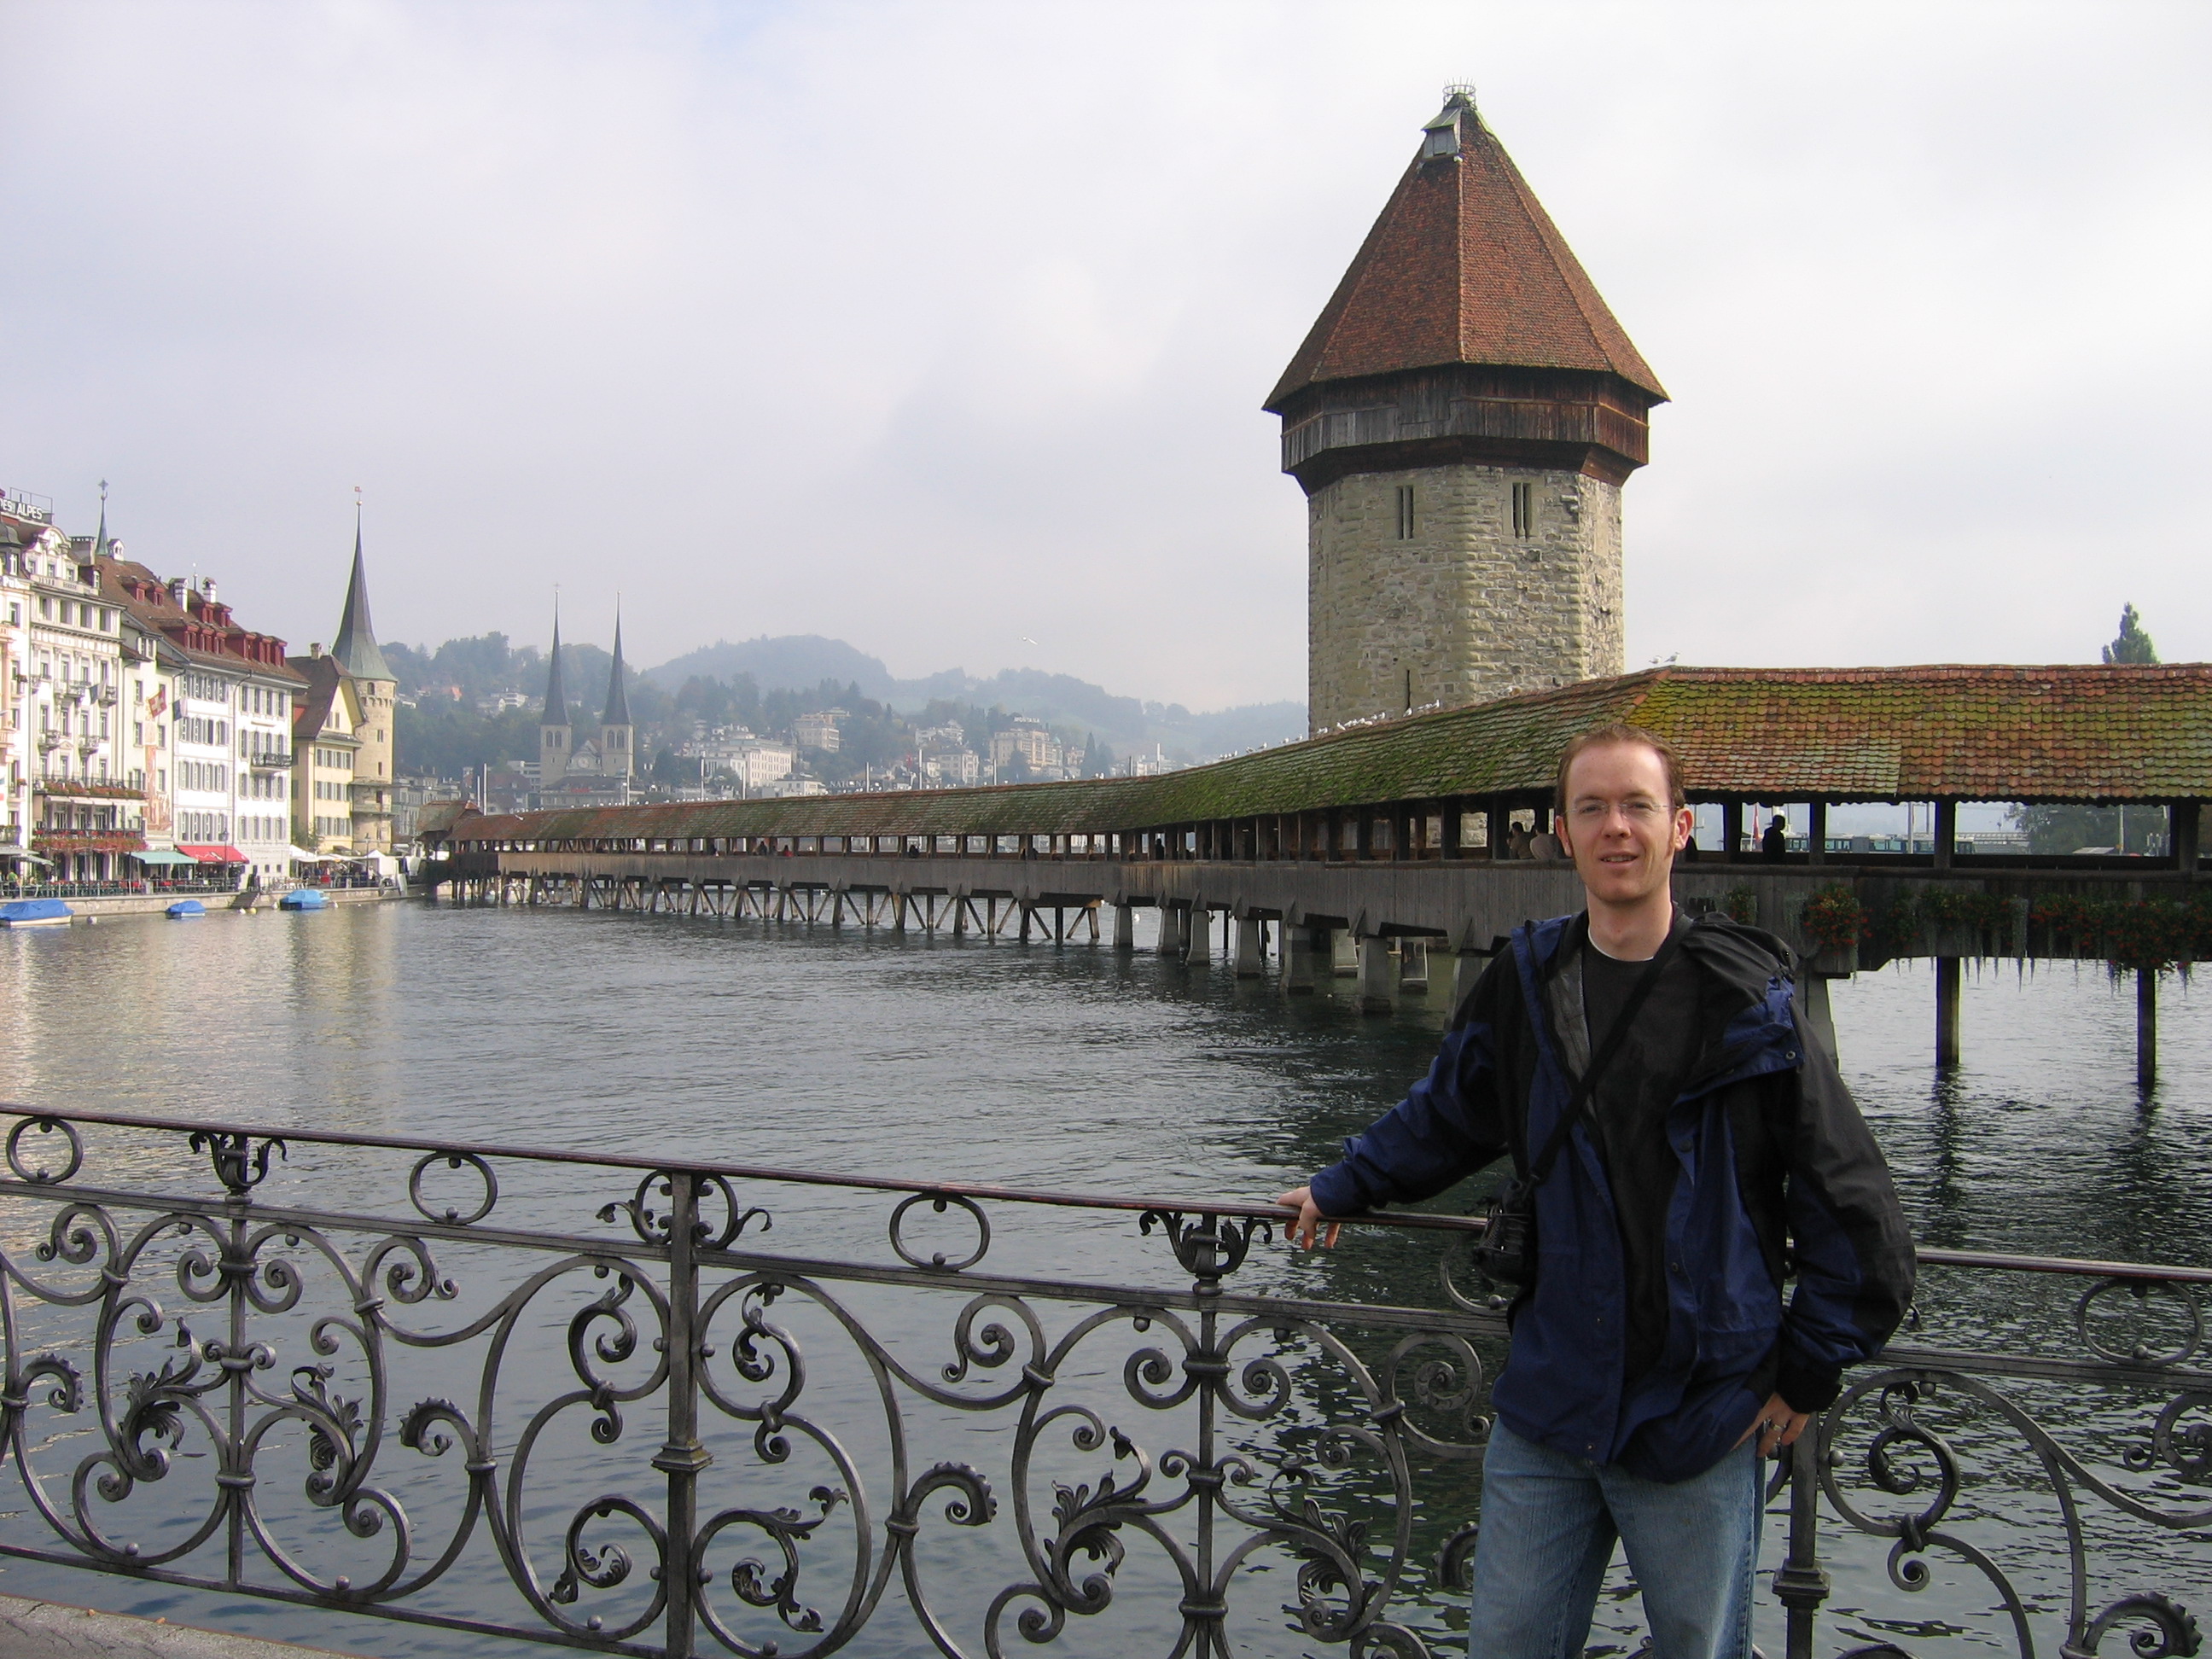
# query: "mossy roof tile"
{"points": [[2067, 733]]}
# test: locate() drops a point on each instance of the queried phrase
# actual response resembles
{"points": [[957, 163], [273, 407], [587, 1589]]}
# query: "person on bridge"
{"points": [[1685, 1139]]}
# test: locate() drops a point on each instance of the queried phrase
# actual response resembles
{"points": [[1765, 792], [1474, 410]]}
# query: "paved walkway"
{"points": [[51, 1629]]}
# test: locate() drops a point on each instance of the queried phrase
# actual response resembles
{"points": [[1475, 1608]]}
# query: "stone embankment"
{"points": [[154, 904], [52, 1630]]}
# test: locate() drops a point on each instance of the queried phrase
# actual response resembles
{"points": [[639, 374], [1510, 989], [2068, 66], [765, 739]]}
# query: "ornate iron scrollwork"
{"points": [[673, 1436]]}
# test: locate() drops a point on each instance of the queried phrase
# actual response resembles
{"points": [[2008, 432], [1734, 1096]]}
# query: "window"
{"points": [[1405, 513], [1524, 510]]}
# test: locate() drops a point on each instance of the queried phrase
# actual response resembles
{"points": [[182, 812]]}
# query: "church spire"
{"points": [[556, 704], [618, 699], [355, 648], [100, 541]]}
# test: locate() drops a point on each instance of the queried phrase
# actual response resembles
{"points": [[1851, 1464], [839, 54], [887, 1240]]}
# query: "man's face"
{"points": [[1618, 825]]}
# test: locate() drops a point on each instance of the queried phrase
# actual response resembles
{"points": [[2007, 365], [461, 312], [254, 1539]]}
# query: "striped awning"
{"points": [[213, 854]]}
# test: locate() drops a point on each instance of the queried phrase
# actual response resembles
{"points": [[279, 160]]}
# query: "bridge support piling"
{"points": [[1091, 911], [1948, 983], [1251, 961], [1125, 927], [1372, 955], [1414, 965], [1198, 938], [1343, 954], [2146, 1029], [1815, 1011], [1297, 961], [1466, 968]]}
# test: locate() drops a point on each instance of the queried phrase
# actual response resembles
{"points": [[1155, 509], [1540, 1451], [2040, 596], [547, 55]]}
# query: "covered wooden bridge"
{"points": [[1353, 844]]}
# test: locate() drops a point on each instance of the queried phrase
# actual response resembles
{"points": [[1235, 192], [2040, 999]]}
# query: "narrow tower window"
{"points": [[1405, 513], [1524, 510]]}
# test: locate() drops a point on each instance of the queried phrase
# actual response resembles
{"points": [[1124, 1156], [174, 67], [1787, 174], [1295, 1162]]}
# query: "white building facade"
{"points": [[218, 719]]}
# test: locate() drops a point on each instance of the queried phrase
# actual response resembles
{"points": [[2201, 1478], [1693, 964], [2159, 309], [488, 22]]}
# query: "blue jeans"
{"points": [[1548, 1525]]}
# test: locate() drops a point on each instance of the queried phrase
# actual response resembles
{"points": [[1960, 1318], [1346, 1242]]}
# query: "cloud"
{"points": [[938, 325]]}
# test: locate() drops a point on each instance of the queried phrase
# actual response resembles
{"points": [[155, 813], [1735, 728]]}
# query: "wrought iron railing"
{"points": [[658, 1407]]}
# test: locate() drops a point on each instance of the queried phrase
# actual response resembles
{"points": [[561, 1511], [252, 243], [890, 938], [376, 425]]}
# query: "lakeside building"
{"points": [[326, 737], [211, 708], [817, 731], [1030, 741], [82, 813], [14, 747], [144, 730], [374, 690], [949, 765]]}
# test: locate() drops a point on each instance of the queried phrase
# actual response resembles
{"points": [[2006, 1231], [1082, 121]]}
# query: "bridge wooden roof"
{"points": [[2067, 732]]}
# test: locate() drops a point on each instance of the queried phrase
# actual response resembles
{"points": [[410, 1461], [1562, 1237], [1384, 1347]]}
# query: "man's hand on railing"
{"points": [[1312, 1227]]}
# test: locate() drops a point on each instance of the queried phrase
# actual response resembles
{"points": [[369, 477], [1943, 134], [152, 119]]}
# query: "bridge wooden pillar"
{"points": [[1731, 829], [1251, 947], [1816, 832], [2182, 833], [1414, 965], [1947, 986], [1297, 961], [1498, 811], [1374, 975], [1466, 968], [2146, 1029], [1171, 941], [1947, 832], [1200, 939], [1125, 927]]}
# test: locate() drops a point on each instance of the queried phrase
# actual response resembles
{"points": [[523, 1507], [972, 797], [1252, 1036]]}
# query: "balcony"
{"points": [[270, 760], [86, 789]]}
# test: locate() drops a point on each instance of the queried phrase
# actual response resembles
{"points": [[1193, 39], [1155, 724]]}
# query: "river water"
{"points": [[1071, 1067]]}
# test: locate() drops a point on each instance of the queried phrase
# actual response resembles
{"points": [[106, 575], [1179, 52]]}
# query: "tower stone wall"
{"points": [[1442, 598]]}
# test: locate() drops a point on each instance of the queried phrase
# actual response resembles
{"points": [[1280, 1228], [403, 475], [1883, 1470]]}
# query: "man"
{"points": [[1653, 1362]]}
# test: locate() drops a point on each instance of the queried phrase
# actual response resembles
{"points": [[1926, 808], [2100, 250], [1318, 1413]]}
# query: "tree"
{"points": [[2133, 644], [2065, 829]]}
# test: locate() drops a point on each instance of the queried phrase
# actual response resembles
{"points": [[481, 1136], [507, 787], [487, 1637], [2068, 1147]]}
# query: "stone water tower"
{"points": [[1461, 417]]}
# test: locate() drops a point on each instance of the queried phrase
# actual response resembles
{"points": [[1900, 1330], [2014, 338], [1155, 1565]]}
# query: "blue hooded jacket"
{"points": [[1774, 1171]]}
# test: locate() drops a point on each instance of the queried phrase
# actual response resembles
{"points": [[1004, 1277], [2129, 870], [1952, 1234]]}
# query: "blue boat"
{"points": [[35, 913], [302, 898], [184, 908]]}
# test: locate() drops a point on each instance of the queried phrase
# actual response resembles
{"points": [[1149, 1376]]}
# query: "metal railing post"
{"points": [[1800, 1583], [682, 1457]]}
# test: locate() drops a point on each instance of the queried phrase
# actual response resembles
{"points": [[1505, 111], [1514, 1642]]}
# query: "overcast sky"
{"points": [[943, 328]]}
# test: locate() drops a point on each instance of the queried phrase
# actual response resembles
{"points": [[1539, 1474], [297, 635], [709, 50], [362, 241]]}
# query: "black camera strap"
{"points": [[1586, 1089]]}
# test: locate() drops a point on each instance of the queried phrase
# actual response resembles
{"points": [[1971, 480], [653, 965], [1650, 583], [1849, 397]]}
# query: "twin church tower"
{"points": [[595, 771], [1462, 416]]}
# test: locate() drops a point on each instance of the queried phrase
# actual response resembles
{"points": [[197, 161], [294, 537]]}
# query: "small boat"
{"points": [[302, 898], [34, 913], [184, 908]]}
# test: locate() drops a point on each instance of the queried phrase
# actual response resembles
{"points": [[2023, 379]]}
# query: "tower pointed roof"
{"points": [[1463, 266], [618, 699], [556, 704], [99, 540], [356, 648]]}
